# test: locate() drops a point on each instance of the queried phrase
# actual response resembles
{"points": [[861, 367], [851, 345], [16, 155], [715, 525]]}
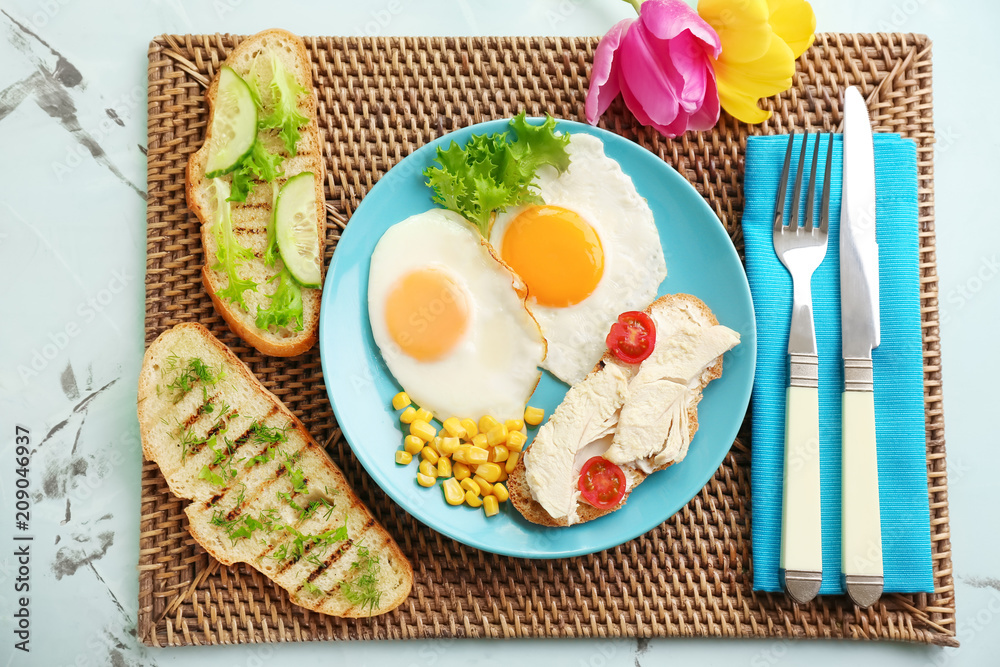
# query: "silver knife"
{"points": [[861, 535]]}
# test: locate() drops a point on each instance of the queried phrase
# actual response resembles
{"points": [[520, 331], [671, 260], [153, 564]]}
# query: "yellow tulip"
{"points": [[760, 41]]}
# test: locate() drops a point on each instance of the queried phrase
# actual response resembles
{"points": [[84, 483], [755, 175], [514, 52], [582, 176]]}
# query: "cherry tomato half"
{"points": [[602, 483], [632, 337]]}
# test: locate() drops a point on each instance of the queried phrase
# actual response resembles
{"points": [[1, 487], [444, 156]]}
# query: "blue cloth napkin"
{"points": [[898, 362]]}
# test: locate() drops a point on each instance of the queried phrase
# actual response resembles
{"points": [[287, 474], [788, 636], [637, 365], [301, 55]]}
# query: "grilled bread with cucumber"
{"points": [[256, 185], [262, 491]]}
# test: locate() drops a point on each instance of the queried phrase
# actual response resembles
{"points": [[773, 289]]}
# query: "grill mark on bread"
{"points": [[198, 446], [199, 411]]}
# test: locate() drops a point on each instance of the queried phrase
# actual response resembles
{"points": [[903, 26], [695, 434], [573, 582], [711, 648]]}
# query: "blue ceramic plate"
{"points": [[701, 260]]}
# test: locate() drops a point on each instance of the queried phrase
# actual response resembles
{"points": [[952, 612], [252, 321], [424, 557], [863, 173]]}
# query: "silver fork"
{"points": [[801, 249]]}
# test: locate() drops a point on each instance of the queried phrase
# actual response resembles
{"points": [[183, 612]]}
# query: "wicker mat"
{"points": [[379, 100]]}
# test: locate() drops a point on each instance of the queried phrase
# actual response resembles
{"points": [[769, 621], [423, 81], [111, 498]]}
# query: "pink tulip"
{"points": [[661, 63]]}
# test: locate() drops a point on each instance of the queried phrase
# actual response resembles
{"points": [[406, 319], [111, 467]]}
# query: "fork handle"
{"points": [[801, 535]]}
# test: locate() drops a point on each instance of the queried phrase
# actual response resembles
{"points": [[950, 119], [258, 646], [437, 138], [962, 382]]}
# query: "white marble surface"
{"points": [[72, 246]]}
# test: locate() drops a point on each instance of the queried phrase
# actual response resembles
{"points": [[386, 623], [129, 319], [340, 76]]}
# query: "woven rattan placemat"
{"points": [[379, 100]]}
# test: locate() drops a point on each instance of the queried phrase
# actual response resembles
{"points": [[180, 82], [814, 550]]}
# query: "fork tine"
{"points": [[779, 202], [793, 216], [824, 207], [811, 191]]}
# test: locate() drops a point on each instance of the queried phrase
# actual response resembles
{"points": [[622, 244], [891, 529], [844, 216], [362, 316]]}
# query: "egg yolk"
{"points": [[557, 254], [426, 314]]}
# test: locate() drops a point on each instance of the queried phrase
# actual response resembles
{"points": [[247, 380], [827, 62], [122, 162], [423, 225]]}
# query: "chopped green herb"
{"points": [[311, 587], [209, 476], [363, 588]]}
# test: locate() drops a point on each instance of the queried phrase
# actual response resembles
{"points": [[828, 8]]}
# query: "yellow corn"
{"points": [[413, 444], [461, 471], [489, 471], [453, 492], [485, 487], [449, 445], [430, 455], [512, 462], [461, 455], [477, 456], [403, 457], [490, 505], [480, 440], [500, 492], [472, 500], [408, 415], [400, 401], [444, 467], [454, 427], [427, 468], [469, 485], [471, 428], [424, 414], [497, 435], [503, 476], [499, 453], [516, 440], [422, 430], [533, 416], [486, 423], [425, 480], [514, 425]]}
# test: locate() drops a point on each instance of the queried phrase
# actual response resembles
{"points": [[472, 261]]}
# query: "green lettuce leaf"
{"points": [[258, 165], [493, 172], [286, 304], [285, 116], [229, 254]]}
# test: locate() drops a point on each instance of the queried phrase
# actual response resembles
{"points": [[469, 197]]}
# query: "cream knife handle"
{"points": [[861, 539], [801, 537]]}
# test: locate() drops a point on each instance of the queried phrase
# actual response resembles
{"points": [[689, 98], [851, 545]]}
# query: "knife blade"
{"points": [[861, 540]]}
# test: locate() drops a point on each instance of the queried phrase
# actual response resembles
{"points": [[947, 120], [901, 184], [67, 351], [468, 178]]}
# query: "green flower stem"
{"points": [[635, 4]]}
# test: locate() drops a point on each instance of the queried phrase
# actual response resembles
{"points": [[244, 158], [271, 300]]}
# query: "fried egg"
{"points": [[587, 253], [450, 319]]}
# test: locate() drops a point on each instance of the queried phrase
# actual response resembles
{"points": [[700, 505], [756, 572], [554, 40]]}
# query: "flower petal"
{"points": [[604, 86], [649, 77], [795, 22], [706, 116], [665, 19], [744, 32], [742, 84]]}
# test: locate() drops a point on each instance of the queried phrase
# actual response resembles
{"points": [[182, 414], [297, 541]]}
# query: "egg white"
{"points": [[493, 368], [595, 187]]}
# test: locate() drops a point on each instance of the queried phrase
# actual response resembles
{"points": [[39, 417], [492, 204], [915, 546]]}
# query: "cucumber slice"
{"points": [[234, 125], [295, 228]]}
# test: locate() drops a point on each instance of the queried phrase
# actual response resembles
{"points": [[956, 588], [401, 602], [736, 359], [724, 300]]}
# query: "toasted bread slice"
{"points": [[517, 485], [251, 218], [273, 481]]}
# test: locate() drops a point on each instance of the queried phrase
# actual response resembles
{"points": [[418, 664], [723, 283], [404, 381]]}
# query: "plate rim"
{"points": [[464, 537]]}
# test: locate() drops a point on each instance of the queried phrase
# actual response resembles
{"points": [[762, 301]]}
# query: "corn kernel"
{"points": [[461, 454], [428, 454], [425, 480], [501, 493], [469, 485], [471, 428], [490, 505], [514, 425], [408, 415], [516, 440], [449, 445], [422, 430], [472, 500], [497, 435], [444, 467], [512, 462], [533, 416], [485, 488], [499, 453], [403, 457], [427, 468], [461, 471], [503, 476], [489, 471], [413, 444], [435, 444], [454, 427], [400, 401], [453, 492], [424, 414], [486, 423], [480, 440], [477, 456]]}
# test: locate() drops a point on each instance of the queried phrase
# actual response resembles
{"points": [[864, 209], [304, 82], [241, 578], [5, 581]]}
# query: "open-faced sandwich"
{"points": [[256, 185], [262, 491], [633, 415]]}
